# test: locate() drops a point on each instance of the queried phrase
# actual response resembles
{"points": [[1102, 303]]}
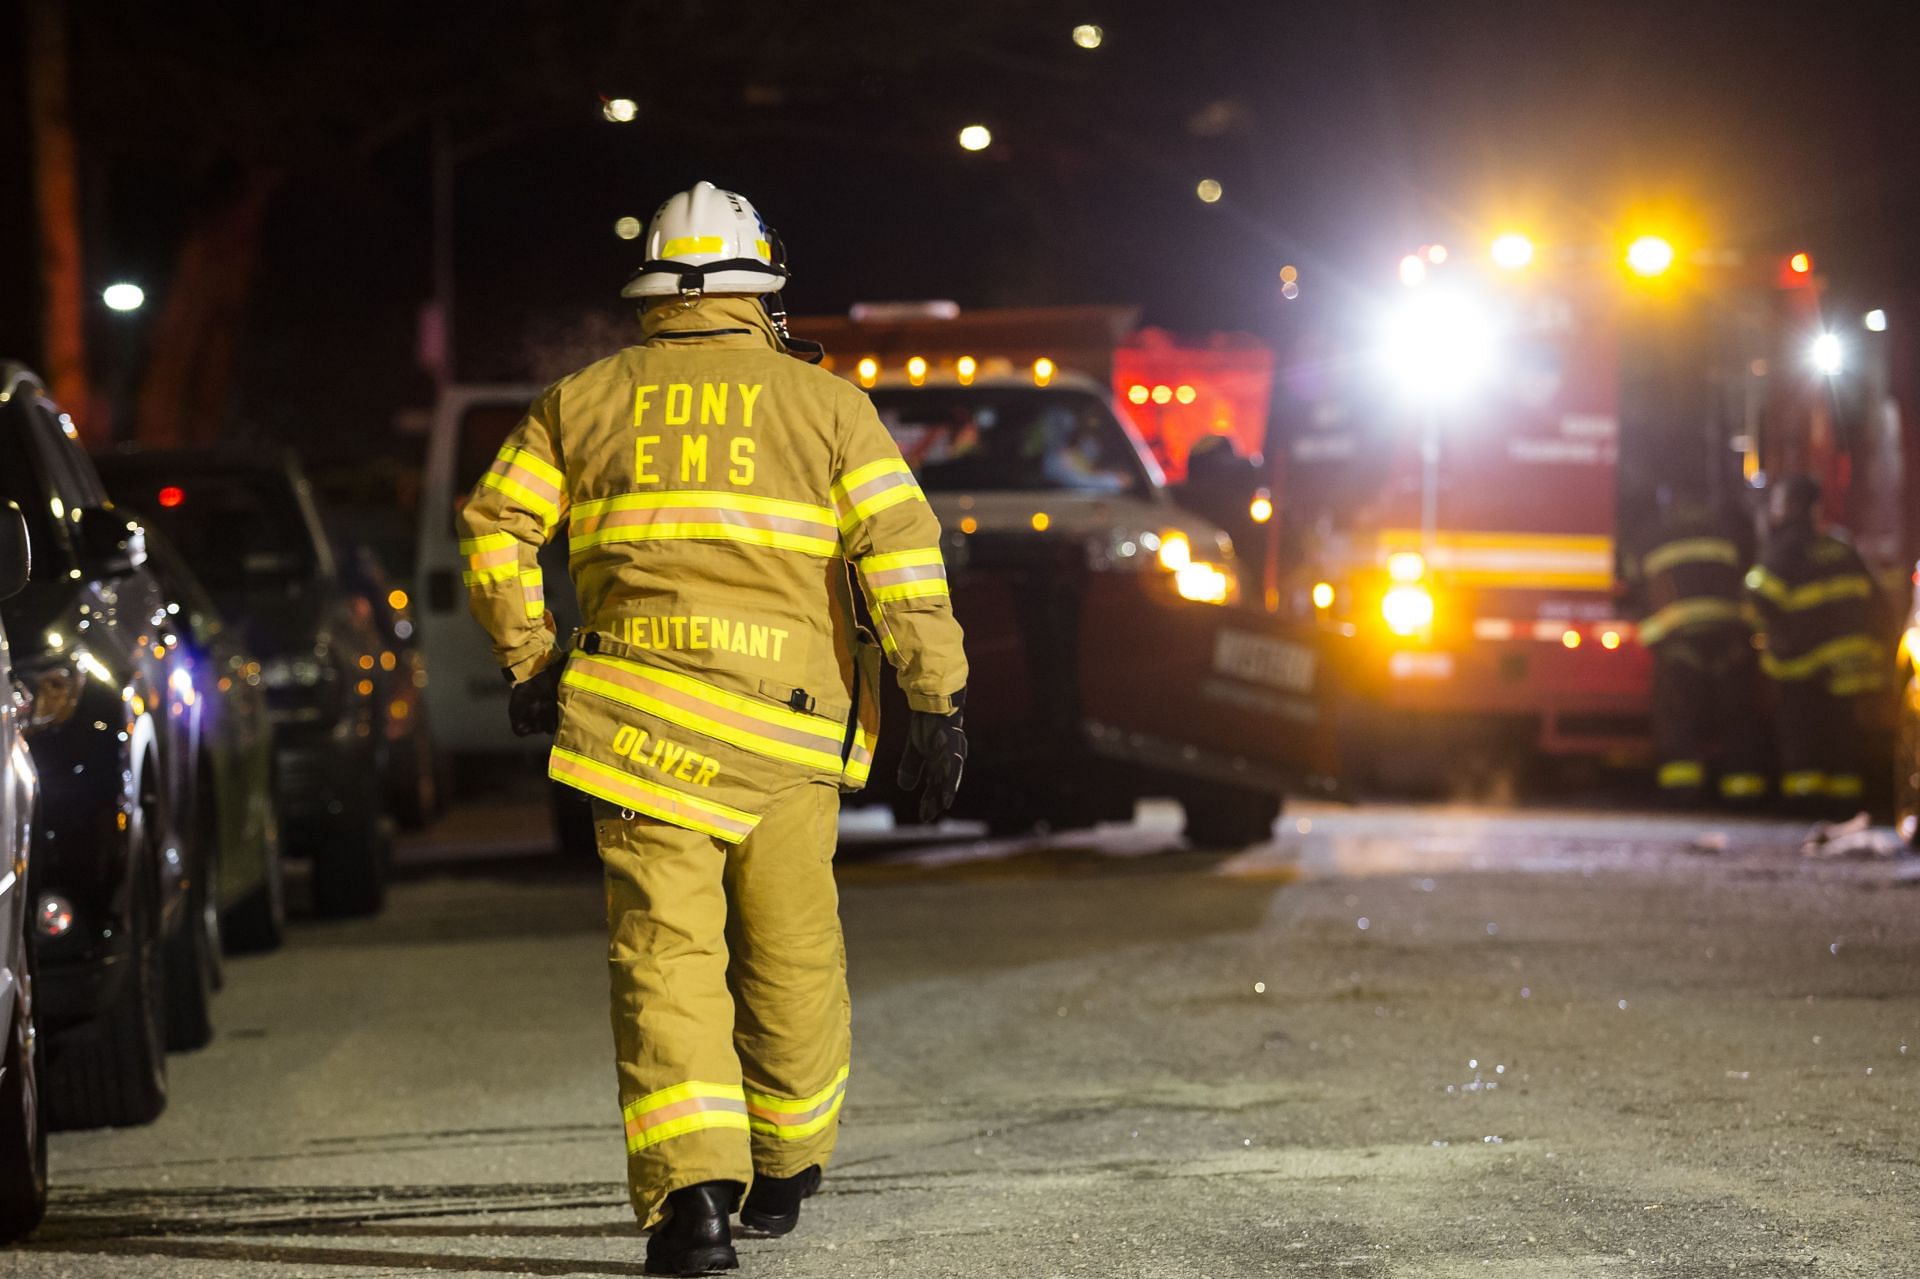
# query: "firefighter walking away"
{"points": [[719, 497], [1818, 613], [1707, 726]]}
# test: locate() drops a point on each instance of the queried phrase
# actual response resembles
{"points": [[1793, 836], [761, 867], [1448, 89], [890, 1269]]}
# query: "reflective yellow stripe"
{"points": [[1679, 773], [1797, 599], [512, 476], [768, 730], [1743, 785], [794, 1119], [865, 491], [1536, 560], [1854, 683], [703, 515], [488, 576], [686, 245], [1843, 785], [911, 591], [902, 575], [681, 1109], [534, 590], [628, 791], [1805, 782], [1688, 612], [859, 758], [1807, 665], [924, 558], [487, 542], [1690, 550]]}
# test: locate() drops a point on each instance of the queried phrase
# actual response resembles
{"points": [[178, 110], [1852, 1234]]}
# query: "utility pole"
{"points": [[63, 281]]}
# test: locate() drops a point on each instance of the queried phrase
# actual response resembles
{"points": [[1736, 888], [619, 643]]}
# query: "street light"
{"points": [[976, 137], [122, 296], [1209, 191], [1413, 269], [627, 228], [1088, 36], [620, 110], [1875, 320]]}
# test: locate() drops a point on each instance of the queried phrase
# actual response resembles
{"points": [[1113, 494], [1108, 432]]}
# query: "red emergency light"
{"points": [[171, 496]]}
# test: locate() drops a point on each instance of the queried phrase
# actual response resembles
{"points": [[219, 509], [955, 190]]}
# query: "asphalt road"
{"points": [[1396, 1042]]}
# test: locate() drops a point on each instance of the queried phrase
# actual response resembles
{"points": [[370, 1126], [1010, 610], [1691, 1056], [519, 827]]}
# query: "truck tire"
{"points": [[23, 1128], [1226, 818], [112, 1072], [350, 871], [193, 953], [350, 865], [257, 923]]}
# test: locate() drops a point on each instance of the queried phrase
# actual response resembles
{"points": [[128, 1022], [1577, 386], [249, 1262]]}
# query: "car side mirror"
{"points": [[16, 558], [112, 544]]}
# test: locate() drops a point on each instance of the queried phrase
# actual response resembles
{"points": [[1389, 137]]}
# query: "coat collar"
{"points": [[715, 320]]}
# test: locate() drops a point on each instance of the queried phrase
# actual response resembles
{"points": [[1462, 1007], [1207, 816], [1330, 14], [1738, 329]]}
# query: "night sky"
{"points": [[1343, 134]]}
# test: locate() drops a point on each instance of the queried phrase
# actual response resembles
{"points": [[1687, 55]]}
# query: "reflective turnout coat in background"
{"points": [[1819, 613], [712, 490], [1705, 718]]}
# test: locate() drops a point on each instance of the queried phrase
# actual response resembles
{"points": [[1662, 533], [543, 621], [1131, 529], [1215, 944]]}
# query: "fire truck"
{"points": [[1115, 651], [1470, 469]]}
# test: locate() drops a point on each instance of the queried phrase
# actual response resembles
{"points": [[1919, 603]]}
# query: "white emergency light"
{"points": [[1829, 357], [1440, 344]]}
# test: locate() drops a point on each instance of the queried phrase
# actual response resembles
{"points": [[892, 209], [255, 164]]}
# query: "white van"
{"points": [[466, 695]]}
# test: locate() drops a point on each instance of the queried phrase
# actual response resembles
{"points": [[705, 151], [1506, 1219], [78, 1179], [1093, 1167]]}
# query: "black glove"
{"points": [[936, 755], [534, 704]]}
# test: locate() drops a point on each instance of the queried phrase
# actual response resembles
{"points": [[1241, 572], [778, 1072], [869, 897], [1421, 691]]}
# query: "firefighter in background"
{"points": [[1818, 612], [1704, 680], [1220, 487], [714, 491]]}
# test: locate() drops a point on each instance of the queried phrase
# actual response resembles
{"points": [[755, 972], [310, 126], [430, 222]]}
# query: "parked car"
{"points": [[23, 1132], [415, 777], [236, 827], [247, 524], [125, 961]]}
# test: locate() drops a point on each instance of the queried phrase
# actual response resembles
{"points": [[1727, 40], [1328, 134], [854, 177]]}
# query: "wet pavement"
{"points": [[1398, 1041]]}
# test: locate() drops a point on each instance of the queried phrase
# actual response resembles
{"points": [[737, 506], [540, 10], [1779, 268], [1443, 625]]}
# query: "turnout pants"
{"points": [[1819, 744], [1705, 714], [731, 1022]]}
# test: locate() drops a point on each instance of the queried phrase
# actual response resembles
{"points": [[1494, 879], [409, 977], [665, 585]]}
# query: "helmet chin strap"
{"points": [[801, 348]]}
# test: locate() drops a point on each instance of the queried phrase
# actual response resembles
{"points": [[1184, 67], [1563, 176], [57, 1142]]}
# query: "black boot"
{"points": [[694, 1239], [773, 1205]]}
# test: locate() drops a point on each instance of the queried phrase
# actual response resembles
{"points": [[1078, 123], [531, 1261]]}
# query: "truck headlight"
{"points": [[1175, 551], [1204, 583], [1407, 610]]}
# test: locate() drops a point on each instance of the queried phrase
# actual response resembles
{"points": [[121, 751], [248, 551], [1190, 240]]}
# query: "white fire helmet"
{"points": [[705, 240]]}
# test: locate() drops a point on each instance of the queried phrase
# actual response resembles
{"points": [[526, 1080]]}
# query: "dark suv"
{"points": [[125, 953], [246, 524]]}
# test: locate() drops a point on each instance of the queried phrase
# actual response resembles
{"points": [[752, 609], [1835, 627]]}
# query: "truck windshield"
{"points": [[1008, 439], [238, 528]]}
